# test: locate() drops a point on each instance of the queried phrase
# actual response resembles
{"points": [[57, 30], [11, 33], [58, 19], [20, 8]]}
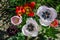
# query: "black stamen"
{"points": [[46, 15], [30, 27]]}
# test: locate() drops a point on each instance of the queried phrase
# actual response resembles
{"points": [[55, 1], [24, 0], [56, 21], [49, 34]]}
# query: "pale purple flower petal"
{"points": [[33, 33], [43, 20]]}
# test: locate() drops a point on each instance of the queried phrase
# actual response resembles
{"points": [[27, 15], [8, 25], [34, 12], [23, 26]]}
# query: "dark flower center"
{"points": [[30, 27], [46, 15], [12, 30], [16, 20]]}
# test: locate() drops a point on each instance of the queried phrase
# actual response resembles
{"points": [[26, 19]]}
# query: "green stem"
{"points": [[36, 38], [28, 38]]}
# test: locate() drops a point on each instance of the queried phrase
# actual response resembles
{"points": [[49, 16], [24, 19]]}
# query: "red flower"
{"points": [[54, 23], [28, 8], [31, 14], [20, 10], [32, 4]]}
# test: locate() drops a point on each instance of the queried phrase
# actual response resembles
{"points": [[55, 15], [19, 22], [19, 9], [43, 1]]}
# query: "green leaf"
{"points": [[37, 19], [58, 8], [51, 32], [18, 36], [12, 0], [12, 38]]}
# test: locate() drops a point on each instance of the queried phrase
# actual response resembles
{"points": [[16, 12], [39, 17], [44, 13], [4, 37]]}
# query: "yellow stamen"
{"points": [[16, 20]]}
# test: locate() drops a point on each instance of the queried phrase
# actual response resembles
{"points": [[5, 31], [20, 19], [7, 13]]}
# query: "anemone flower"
{"points": [[54, 23], [16, 20], [28, 9], [30, 28], [12, 30], [46, 14], [20, 10]]}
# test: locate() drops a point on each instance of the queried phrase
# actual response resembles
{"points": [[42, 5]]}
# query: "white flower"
{"points": [[30, 28], [16, 20], [46, 14]]}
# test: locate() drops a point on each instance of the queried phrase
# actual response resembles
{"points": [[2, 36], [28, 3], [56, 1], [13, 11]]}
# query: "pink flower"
{"points": [[16, 20]]}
